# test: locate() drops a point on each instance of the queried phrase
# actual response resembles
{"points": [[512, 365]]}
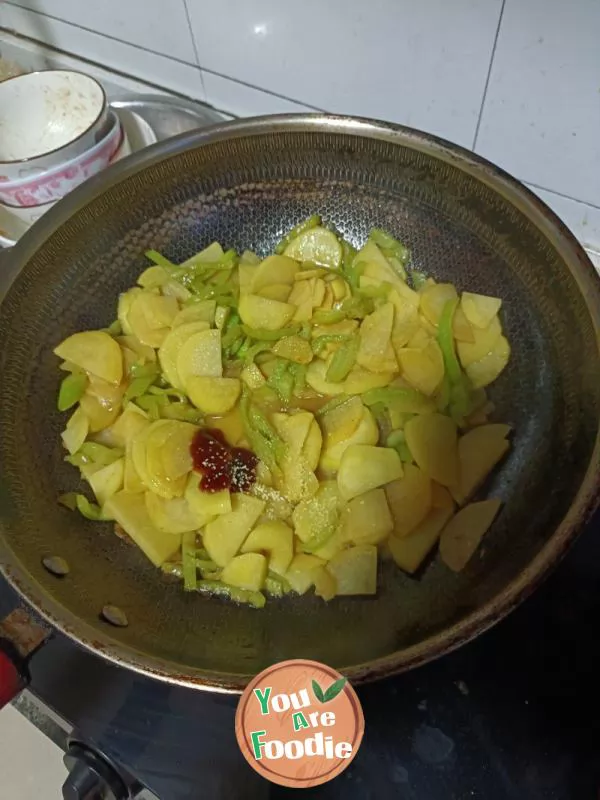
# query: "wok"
{"points": [[245, 183]]}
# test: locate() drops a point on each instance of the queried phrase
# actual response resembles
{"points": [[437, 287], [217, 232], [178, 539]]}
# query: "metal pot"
{"points": [[245, 183]]}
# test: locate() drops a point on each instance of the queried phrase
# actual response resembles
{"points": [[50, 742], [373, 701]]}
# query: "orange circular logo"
{"points": [[299, 723]]}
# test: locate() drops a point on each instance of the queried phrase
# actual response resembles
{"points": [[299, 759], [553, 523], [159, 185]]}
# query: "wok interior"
{"points": [[244, 193]]}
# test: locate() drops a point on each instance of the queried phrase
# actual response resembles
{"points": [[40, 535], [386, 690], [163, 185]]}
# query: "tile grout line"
{"points": [[108, 36], [559, 194], [489, 75], [195, 46]]}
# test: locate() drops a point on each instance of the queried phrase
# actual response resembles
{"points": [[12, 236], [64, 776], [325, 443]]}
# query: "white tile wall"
{"points": [[420, 63], [519, 80], [541, 118]]}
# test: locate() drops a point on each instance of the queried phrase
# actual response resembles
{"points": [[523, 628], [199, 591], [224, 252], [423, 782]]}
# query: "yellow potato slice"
{"points": [[410, 499], [482, 373], [99, 416], [260, 312], [174, 515], [200, 354], [364, 467], [325, 584], [423, 367], [276, 291], [485, 341], [318, 245], [150, 317], [95, 352], [126, 426], [107, 394], [206, 506], [434, 298], [176, 458], [171, 347], [432, 441], [213, 395], [274, 538], [461, 327], [461, 537], [375, 352], [204, 311], [367, 519], [301, 573], [355, 570], [247, 571], [294, 348], [130, 512], [480, 309], [108, 480], [252, 376], [273, 270], [342, 421], [366, 432], [479, 451], [410, 551], [225, 535]]}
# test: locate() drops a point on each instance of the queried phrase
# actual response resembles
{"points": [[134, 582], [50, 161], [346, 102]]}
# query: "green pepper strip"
{"points": [[262, 438], [331, 404], [188, 557], [264, 335], [321, 342], [182, 412], [160, 260], [114, 329], [100, 454], [393, 396], [71, 390], [144, 371], [309, 223], [419, 279], [460, 395], [343, 360], [218, 588], [73, 501], [138, 387], [390, 246], [253, 351]]}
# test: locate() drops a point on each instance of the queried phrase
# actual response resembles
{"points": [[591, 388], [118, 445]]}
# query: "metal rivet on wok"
{"points": [[115, 616], [56, 565]]}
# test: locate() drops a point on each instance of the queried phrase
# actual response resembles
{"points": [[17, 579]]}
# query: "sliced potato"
{"points": [[410, 551], [434, 298], [461, 327], [171, 346], [423, 367], [367, 519], [224, 536], [276, 291], [342, 421], [311, 449], [273, 270], [461, 537], [252, 376], [485, 341], [301, 573], [482, 373], [432, 441], [260, 312], [324, 583], [294, 348], [174, 516], [150, 317], [364, 467], [406, 318], [366, 432], [108, 480], [206, 506], [213, 395], [479, 451], [132, 481], [130, 512], [175, 456], [316, 519], [95, 352], [355, 570], [204, 311], [410, 499], [480, 309], [358, 381], [200, 354], [318, 245], [126, 426], [276, 540], [247, 571], [74, 435], [99, 416], [375, 351], [107, 394]]}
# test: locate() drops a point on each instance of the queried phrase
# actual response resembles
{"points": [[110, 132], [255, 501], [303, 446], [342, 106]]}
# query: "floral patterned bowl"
{"points": [[39, 186]]}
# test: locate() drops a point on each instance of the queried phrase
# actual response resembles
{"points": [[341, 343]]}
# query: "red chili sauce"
{"points": [[222, 466]]}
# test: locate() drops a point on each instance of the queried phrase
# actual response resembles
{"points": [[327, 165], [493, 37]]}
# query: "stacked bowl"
{"points": [[56, 130]]}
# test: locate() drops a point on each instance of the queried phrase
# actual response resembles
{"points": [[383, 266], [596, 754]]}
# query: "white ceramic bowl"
{"points": [[40, 186], [47, 118]]}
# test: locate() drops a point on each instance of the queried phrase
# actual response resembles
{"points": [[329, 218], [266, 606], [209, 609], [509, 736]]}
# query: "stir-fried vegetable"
{"points": [[259, 427]]}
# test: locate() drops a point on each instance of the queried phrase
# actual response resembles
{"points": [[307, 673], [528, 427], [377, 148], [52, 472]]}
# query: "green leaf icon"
{"points": [[318, 691], [333, 691]]}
